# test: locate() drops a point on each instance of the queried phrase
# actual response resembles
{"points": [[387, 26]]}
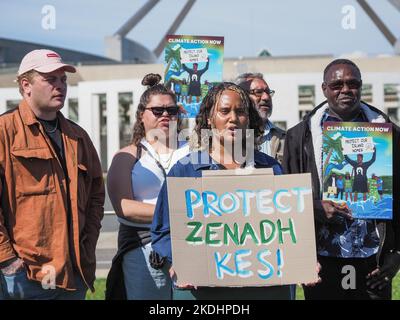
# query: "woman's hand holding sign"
{"points": [[186, 286], [313, 284]]}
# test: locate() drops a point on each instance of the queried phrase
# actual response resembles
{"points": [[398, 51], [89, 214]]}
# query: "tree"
{"points": [[172, 56], [333, 149]]}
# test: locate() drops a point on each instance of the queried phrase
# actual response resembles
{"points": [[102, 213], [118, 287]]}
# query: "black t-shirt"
{"points": [[53, 131]]}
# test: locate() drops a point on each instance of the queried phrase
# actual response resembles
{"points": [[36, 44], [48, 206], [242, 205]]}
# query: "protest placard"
{"points": [[232, 229], [357, 167], [193, 64]]}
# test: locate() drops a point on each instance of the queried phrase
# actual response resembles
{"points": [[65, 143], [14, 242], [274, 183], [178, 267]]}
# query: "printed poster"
{"points": [[357, 167], [193, 64]]}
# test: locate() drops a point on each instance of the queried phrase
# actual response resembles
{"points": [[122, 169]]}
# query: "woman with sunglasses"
{"points": [[134, 180], [228, 111]]}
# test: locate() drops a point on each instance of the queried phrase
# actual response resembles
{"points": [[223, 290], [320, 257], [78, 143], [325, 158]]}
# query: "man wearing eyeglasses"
{"points": [[274, 138], [358, 258]]}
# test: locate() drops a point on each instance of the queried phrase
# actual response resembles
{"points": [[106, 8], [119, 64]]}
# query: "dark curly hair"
{"points": [[154, 87], [207, 110]]}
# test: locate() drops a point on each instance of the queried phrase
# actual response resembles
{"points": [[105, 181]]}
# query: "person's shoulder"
{"points": [[9, 113], [183, 148], [125, 157], [264, 159], [297, 130], [279, 130], [6, 117], [8, 125], [122, 162], [187, 159], [178, 168], [130, 149], [77, 129], [185, 167], [300, 125]]}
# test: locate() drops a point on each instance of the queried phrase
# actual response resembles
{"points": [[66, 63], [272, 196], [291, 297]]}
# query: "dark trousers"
{"points": [[339, 192], [333, 275]]}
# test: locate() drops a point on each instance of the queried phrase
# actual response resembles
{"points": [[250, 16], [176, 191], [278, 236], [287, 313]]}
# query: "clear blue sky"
{"points": [[284, 27]]}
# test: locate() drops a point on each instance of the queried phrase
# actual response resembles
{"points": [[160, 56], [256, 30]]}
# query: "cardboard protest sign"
{"points": [[230, 228], [193, 64], [357, 167]]}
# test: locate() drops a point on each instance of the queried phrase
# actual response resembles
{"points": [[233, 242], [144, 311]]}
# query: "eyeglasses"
{"points": [[159, 111], [338, 85], [259, 92]]}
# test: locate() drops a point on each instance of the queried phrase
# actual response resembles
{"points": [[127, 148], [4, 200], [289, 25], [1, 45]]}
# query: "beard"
{"points": [[264, 110]]}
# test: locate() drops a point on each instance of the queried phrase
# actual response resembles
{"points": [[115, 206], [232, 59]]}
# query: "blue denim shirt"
{"points": [[266, 138], [358, 238], [191, 166]]}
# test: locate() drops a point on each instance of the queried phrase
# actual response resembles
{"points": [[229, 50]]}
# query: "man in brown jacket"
{"points": [[259, 91], [51, 189]]}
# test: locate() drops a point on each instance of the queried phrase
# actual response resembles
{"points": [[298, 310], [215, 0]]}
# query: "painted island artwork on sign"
{"points": [[357, 167], [193, 64], [232, 229]]}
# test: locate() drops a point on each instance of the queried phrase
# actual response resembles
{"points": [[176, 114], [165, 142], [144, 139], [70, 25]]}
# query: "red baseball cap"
{"points": [[43, 60]]}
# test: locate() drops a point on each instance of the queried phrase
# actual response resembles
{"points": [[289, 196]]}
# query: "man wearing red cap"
{"points": [[51, 189]]}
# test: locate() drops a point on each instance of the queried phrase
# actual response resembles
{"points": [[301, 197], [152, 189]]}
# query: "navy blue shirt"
{"points": [[191, 166]]}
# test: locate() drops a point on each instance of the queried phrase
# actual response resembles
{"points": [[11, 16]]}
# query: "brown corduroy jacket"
{"points": [[33, 213]]}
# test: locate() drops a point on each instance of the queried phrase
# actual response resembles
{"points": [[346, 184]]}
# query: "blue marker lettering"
{"points": [[279, 259], [277, 200], [208, 204], [220, 265], [246, 195], [266, 274], [241, 264], [300, 192], [234, 199], [263, 201], [190, 202]]}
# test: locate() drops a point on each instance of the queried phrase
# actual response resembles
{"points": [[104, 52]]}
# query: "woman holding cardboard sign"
{"points": [[134, 181], [226, 114]]}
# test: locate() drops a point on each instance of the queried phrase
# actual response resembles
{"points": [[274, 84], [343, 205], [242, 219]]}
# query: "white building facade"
{"points": [[103, 99]]}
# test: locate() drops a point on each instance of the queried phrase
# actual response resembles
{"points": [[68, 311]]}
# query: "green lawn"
{"points": [[100, 286]]}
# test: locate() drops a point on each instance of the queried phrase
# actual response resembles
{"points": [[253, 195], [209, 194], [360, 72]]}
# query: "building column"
{"points": [[112, 125], [94, 120]]}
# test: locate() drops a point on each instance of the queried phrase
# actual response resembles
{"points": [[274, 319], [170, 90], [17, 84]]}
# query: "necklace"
{"points": [[52, 130], [162, 164], [165, 159]]}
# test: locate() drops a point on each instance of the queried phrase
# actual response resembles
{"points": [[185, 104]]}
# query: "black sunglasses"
{"points": [[159, 111], [338, 85]]}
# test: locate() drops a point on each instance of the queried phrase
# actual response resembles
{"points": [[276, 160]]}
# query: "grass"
{"points": [[396, 287], [100, 286]]}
